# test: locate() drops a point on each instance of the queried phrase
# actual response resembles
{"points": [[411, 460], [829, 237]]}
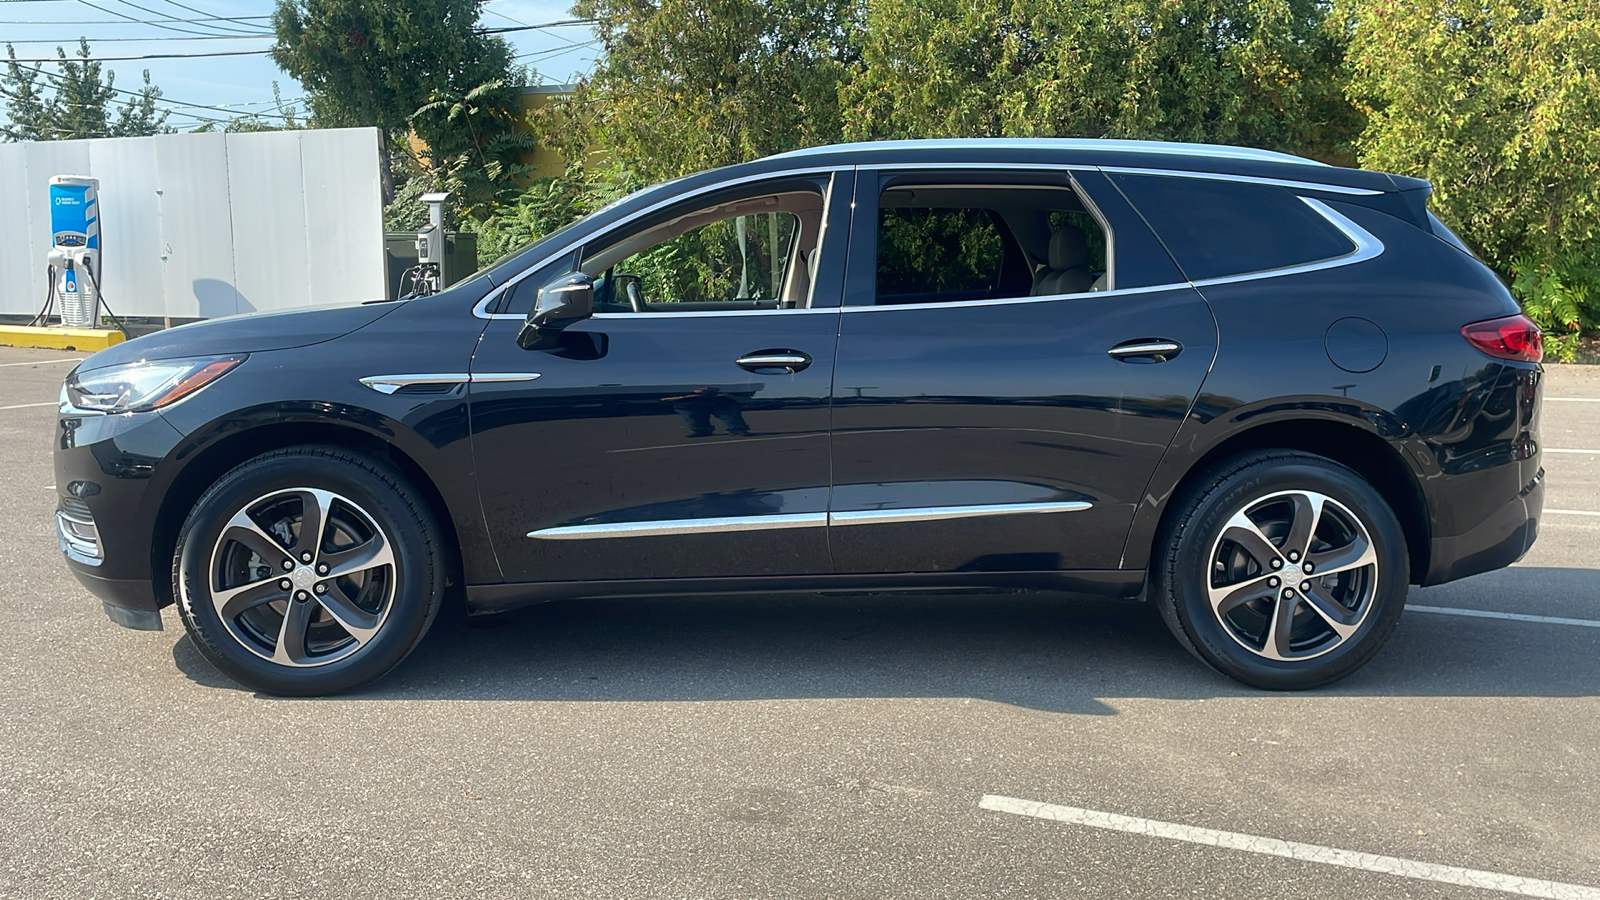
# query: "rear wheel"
{"points": [[1283, 570], [308, 571]]}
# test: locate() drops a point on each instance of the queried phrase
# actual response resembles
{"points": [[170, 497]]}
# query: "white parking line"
{"points": [[1330, 856], [1554, 450], [1515, 617], [1573, 512], [43, 362], [30, 405], [1574, 399]]}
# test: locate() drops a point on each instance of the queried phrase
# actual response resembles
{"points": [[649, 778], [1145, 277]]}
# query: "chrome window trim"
{"points": [[1366, 247], [938, 513], [661, 527], [480, 309], [693, 313], [673, 527], [1171, 148], [1245, 179]]}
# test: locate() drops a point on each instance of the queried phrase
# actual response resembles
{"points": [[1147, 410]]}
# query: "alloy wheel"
{"points": [[302, 577], [1292, 575]]}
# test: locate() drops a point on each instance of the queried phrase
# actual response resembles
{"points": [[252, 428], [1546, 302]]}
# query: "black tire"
{"points": [[1204, 551], [358, 625]]}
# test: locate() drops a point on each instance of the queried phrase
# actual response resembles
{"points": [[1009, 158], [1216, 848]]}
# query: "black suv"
{"points": [[1261, 393]]}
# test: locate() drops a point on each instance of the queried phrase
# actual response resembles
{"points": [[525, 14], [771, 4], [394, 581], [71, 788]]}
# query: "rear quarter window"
{"points": [[1215, 229]]}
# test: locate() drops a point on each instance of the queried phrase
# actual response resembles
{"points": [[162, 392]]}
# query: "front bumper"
{"points": [[109, 491]]}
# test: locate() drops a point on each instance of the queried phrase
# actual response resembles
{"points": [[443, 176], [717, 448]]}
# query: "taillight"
{"points": [[1508, 337]]}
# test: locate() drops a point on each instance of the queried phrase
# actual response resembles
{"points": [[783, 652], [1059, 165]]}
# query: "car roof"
{"points": [[1091, 152]]}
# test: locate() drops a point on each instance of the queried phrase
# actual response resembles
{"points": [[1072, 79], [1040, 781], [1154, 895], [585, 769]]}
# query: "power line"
{"points": [[112, 12], [119, 21], [51, 59], [564, 23], [238, 20], [182, 37], [153, 12], [118, 90]]}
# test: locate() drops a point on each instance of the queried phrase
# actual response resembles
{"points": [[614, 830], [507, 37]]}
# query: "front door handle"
{"points": [[774, 362], [1146, 350]]}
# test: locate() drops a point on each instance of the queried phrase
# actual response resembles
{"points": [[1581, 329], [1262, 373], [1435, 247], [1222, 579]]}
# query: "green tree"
{"points": [[685, 85], [1263, 73], [378, 62], [1497, 102], [79, 102]]}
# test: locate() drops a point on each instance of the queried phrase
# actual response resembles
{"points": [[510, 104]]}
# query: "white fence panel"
{"points": [[129, 189], [206, 224], [196, 225], [346, 246]]}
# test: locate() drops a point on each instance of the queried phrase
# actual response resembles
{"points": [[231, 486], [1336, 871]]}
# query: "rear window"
{"points": [[1215, 229]]}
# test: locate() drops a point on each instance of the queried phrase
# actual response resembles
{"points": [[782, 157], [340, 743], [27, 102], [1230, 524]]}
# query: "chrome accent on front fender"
{"points": [[388, 384]]}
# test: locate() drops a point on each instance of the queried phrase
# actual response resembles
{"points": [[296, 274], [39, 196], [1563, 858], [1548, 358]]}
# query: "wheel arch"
{"points": [[222, 455], [1357, 448]]}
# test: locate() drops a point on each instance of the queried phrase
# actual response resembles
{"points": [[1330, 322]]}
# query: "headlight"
{"points": [[147, 384]]}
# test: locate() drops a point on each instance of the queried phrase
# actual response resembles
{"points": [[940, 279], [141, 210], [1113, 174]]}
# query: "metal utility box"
{"points": [[400, 254]]}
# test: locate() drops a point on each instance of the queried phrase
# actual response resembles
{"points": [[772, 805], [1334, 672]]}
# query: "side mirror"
{"points": [[560, 303]]}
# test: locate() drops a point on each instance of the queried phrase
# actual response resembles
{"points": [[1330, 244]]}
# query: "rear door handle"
{"points": [[774, 362], [1146, 350]]}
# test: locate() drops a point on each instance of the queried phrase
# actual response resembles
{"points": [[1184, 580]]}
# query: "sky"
{"points": [[241, 84]]}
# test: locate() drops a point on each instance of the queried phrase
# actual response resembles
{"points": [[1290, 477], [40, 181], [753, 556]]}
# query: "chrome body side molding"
{"points": [[661, 527], [680, 526]]}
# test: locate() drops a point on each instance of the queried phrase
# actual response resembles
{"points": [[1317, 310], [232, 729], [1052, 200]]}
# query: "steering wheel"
{"points": [[635, 296]]}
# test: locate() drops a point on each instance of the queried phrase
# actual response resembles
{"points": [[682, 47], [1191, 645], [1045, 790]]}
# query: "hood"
{"points": [[251, 333]]}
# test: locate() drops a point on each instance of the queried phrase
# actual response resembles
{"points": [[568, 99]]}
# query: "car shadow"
{"points": [[1038, 651]]}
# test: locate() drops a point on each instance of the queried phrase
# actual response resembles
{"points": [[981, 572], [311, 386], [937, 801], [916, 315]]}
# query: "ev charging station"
{"points": [[74, 256]]}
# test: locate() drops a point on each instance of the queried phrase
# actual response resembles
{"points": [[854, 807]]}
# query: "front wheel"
{"points": [[1283, 570], [308, 571]]}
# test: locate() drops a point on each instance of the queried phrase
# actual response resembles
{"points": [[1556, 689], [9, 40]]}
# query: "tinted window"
{"points": [[1220, 228], [1091, 233], [937, 251], [739, 258]]}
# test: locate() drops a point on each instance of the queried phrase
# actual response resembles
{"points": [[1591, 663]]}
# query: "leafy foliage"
{"points": [[546, 206], [405, 65], [1263, 73], [936, 251], [686, 85], [77, 102], [1497, 102], [1562, 297]]}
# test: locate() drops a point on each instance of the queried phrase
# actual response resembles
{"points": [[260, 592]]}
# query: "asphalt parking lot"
{"points": [[809, 747]]}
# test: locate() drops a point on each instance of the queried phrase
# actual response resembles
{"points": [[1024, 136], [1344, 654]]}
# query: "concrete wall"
{"points": [[206, 224]]}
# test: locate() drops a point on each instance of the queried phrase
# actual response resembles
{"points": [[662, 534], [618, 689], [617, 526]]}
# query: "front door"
{"points": [[1015, 356], [683, 430]]}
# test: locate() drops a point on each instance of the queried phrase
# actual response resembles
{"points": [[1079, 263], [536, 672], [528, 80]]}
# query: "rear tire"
{"points": [[1282, 570], [308, 571]]}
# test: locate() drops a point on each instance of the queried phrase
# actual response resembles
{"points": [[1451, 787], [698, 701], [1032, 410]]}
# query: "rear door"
{"points": [[1015, 355]]}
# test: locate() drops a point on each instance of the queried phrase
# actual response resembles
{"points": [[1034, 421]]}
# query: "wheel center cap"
{"points": [[303, 578]]}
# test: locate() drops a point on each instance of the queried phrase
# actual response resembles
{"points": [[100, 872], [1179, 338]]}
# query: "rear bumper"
{"points": [[1496, 542]]}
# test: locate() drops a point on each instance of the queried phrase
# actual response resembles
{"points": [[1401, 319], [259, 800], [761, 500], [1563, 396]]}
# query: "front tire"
{"points": [[308, 571], [1282, 570]]}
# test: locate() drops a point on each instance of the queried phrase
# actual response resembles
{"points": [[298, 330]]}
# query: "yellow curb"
{"points": [[58, 338]]}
